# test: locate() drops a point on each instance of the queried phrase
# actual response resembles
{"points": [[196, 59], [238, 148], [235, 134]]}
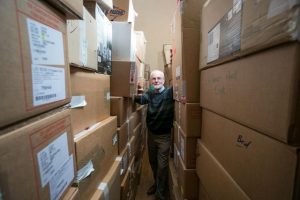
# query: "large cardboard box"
{"points": [[123, 79], [190, 119], [123, 10], [119, 108], [260, 91], [109, 188], [37, 158], [35, 74], [90, 99], [122, 136], [104, 38], [140, 45], [96, 148], [187, 148], [72, 9], [214, 179], [187, 181], [234, 28], [82, 41], [272, 167], [124, 42], [185, 31]]}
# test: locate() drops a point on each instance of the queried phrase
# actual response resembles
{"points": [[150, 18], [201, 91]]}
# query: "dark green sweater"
{"points": [[160, 112]]}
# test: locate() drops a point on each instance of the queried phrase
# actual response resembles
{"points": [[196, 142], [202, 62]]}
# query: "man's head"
{"points": [[157, 79]]}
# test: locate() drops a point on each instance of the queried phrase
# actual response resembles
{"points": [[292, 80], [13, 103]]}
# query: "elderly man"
{"points": [[159, 122]]}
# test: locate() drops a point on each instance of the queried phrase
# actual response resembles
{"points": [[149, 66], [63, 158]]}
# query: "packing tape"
{"points": [[104, 187]]}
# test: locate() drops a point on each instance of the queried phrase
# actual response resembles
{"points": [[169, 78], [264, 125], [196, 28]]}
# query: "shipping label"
{"points": [[52, 157], [46, 44], [62, 179], [213, 44], [48, 84]]}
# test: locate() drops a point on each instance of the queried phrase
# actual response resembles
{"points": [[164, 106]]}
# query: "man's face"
{"points": [[157, 80]]}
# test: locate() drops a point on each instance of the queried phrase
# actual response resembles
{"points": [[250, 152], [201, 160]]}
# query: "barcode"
{"points": [[210, 38], [45, 97]]}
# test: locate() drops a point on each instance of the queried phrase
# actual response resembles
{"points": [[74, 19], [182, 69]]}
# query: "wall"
{"points": [[154, 18]]}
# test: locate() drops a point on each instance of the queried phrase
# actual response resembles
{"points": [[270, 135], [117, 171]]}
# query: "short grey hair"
{"points": [[157, 71]]}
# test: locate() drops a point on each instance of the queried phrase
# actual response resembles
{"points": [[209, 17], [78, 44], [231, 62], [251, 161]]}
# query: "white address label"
{"points": [[48, 84], [213, 44], [52, 157], [46, 44]]}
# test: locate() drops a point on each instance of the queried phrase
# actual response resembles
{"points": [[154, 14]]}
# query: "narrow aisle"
{"points": [[146, 180]]}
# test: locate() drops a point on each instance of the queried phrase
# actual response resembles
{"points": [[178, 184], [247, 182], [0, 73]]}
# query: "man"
{"points": [[159, 121]]}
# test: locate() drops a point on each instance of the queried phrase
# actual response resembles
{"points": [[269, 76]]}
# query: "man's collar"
{"points": [[161, 89]]}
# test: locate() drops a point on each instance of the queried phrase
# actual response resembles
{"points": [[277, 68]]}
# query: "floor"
{"points": [[146, 180]]}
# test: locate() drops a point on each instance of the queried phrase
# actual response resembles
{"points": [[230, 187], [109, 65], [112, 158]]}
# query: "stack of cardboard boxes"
{"points": [[185, 30], [128, 56], [37, 156], [249, 147]]}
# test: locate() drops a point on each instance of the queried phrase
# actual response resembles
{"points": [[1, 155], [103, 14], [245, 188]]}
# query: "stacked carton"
{"points": [[37, 148], [250, 126], [185, 29]]}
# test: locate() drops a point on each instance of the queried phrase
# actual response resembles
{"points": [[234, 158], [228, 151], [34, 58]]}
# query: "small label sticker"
{"points": [[213, 44], [108, 96], [52, 157], [178, 72], [115, 139], [46, 44], [62, 179], [48, 84]]}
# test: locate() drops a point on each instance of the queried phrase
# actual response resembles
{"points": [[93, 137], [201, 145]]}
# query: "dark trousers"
{"points": [[158, 151]]}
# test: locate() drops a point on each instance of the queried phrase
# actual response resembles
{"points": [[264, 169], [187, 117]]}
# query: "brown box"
{"points": [[190, 119], [122, 137], [187, 148], [140, 46], [122, 11], [260, 91], [82, 41], [134, 121], [36, 78], [186, 44], [187, 181], [37, 157], [272, 167], [123, 79], [125, 187], [95, 88], [119, 108], [71, 8], [109, 187], [214, 179], [98, 147], [235, 28]]}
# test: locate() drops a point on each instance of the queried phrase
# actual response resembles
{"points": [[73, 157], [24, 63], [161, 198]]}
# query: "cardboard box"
{"points": [[187, 148], [187, 181], [104, 4], [123, 47], [109, 187], [236, 28], [71, 193], [119, 108], [122, 11], [185, 31], [122, 136], [190, 119], [96, 148], [82, 41], [124, 163], [93, 89], [36, 78], [72, 9], [215, 181], [140, 45], [258, 92], [104, 38], [272, 167], [37, 158], [123, 79], [125, 187]]}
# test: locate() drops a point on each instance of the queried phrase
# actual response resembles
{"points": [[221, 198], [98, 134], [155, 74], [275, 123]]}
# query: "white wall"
{"points": [[154, 18]]}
